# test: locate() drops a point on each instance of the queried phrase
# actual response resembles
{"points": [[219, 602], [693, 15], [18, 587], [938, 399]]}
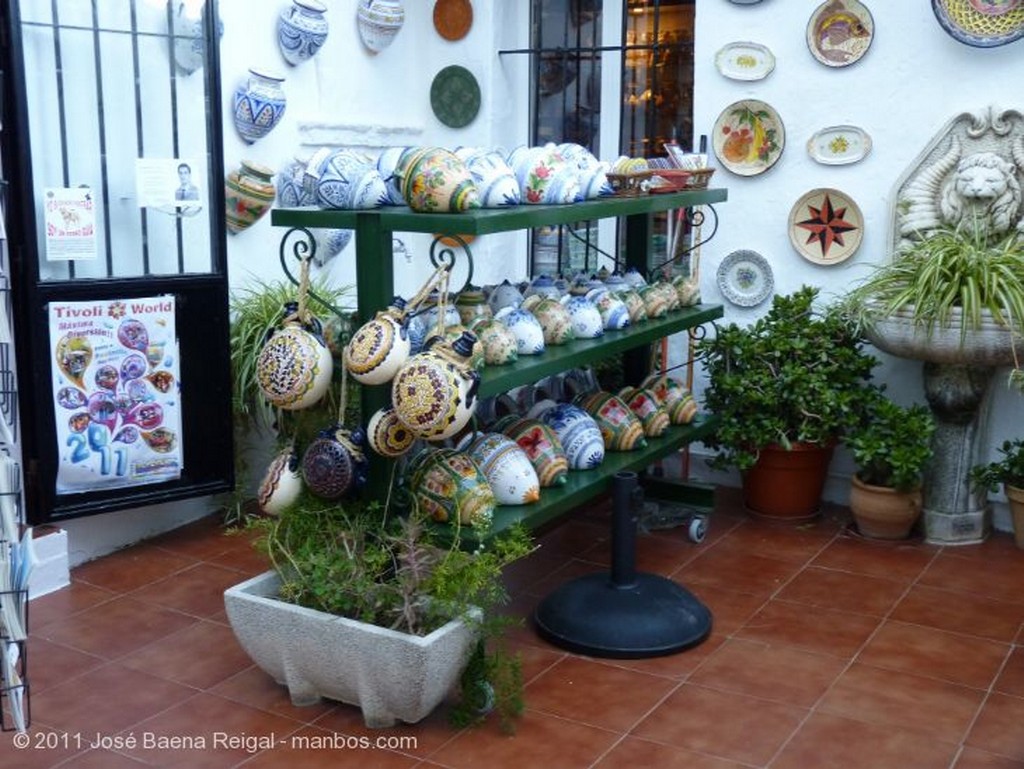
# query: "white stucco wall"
{"points": [[912, 80]]}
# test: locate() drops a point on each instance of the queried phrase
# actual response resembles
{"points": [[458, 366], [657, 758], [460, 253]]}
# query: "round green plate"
{"points": [[455, 96]]}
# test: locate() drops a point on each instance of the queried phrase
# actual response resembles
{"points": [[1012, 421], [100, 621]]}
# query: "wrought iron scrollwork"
{"points": [[443, 253]]}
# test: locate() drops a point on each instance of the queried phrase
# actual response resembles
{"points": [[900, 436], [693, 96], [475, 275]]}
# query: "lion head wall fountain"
{"points": [[971, 171]]}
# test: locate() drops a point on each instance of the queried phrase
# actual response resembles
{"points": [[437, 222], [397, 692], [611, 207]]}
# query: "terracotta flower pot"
{"points": [[787, 485], [1016, 498], [881, 512]]}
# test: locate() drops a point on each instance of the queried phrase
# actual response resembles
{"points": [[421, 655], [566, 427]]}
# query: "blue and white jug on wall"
{"points": [[302, 30], [258, 104]]}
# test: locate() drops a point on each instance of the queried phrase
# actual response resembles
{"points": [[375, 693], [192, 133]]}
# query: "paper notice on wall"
{"points": [[116, 393], [70, 218]]}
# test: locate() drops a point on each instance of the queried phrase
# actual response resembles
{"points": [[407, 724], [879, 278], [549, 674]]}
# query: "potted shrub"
{"points": [[373, 611], [1008, 471], [784, 389], [890, 447]]}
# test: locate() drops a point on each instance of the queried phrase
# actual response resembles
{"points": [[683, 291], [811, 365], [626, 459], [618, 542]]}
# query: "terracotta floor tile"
{"points": [[831, 589], [960, 613], [256, 689], [633, 753], [106, 700], [197, 590], [779, 673], [998, 579], [116, 628], [131, 568], [201, 655], [61, 604], [533, 659], [541, 740], [575, 538], [520, 576], [722, 724], [47, 748], [312, 748], [960, 659], [569, 570], [971, 758], [597, 694], [797, 543], [998, 728], [243, 559], [1011, 678], [677, 666], [102, 759], [202, 539], [890, 560], [926, 705], [827, 741], [421, 739], [836, 633], [51, 664], [655, 555], [736, 570], [729, 609]]}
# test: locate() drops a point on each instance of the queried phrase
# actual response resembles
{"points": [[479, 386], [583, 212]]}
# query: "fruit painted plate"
{"points": [[744, 61], [839, 32], [745, 278], [748, 137], [825, 226], [839, 145]]}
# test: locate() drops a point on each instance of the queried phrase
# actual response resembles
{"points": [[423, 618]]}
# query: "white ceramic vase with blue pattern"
{"points": [[302, 30], [578, 432], [525, 328], [258, 104]]}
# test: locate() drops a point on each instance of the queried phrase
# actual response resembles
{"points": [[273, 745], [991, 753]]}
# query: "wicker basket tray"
{"points": [[631, 184]]}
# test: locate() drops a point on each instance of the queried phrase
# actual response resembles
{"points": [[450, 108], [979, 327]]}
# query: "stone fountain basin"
{"points": [[990, 345]]}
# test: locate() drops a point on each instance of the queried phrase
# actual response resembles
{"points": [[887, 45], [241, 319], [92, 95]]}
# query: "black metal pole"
{"points": [[624, 523]]}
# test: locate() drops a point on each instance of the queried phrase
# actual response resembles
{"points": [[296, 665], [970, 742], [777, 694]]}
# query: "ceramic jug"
{"points": [[294, 367], [436, 181], [554, 318], [476, 358], [500, 346], [506, 466], [302, 30], [258, 104], [434, 392], [586, 318], [248, 195], [380, 347], [525, 327], [648, 409], [620, 428], [578, 433], [446, 485], [541, 445], [387, 435], [674, 396], [281, 484], [379, 21], [334, 463]]}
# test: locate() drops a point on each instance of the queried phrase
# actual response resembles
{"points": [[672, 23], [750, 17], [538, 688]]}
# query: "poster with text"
{"points": [[70, 216], [116, 393]]}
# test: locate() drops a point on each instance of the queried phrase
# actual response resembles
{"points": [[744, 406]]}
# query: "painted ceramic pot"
{"points": [[674, 396], [434, 393], [541, 446], [436, 181], [294, 368], [248, 194], [302, 30], [190, 38], [586, 318], [334, 464], [633, 277], [329, 243], [258, 104], [554, 318], [471, 304], [387, 435], [430, 313], [613, 280], [655, 301], [345, 179], [507, 468], [648, 409], [418, 332], [634, 305], [379, 21], [577, 431], [281, 484], [620, 428], [380, 347], [544, 176], [594, 184], [687, 289], [447, 484], [500, 346], [669, 292], [504, 295], [614, 312], [543, 285], [525, 328], [387, 167], [476, 358], [291, 190], [495, 181]]}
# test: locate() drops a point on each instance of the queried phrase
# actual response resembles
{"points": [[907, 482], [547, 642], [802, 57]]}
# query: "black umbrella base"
{"points": [[650, 617]]}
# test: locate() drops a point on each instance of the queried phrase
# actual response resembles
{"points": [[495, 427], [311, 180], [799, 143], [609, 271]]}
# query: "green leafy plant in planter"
{"points": [[792, 381], [1007, 471]]}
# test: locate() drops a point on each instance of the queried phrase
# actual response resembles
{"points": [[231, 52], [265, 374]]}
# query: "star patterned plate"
{"points": [[825, 226]]}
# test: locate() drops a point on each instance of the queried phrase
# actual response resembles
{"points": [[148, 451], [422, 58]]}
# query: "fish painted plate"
{"points": [[981, 23], [838, 145], [839, 32], [825, 226], [748, 137], [744, 61], [745, 278]]}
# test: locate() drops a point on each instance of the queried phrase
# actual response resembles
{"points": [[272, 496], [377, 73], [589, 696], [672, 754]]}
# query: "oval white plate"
{"points": [[745, 278], [838, 145], [744, 61]]}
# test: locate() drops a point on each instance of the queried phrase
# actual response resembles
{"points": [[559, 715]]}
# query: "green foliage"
{"points": [[892, 444], [795, 375], [1009, 469]]}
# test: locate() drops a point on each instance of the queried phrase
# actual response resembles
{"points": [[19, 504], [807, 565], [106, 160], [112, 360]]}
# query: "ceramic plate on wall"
{"points": [[839, 32], [744, 61], [825, 226], [838, 145], [981, 23], [745, 278], [455, 96], [453, 18], [748, 137]]}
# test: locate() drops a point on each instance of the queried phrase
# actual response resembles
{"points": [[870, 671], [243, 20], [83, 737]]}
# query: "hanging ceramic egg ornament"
{"points": [[294, 367], [281, 484], [335, 464], [380, 347], [379, 21]]}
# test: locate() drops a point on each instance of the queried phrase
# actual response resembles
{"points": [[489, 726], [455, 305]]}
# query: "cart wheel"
{"points": [[698, 530]]}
